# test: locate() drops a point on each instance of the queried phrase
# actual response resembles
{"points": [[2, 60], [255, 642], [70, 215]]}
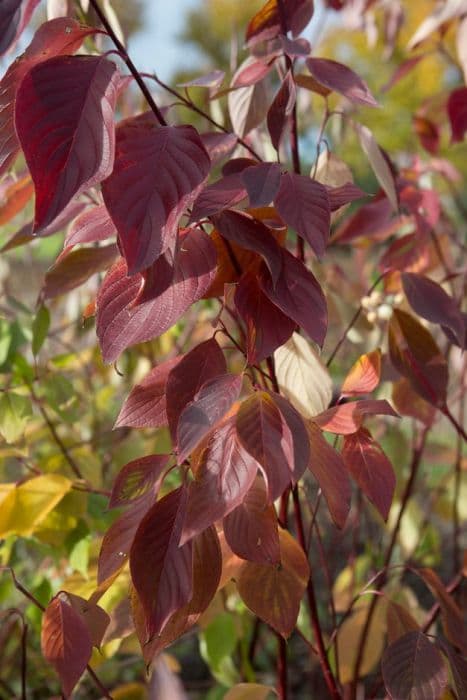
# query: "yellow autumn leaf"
{"points": [[348, 639], [249, 691], [24, 507]]}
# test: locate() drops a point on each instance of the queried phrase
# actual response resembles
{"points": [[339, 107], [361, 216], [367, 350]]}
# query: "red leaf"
{"points": [[370, 220], [218, 145], [250, 73], [412, 667], [262, 183], [92, 225], [401, 71], [145, 407], [74, 268], [429, 300], [281, 109], [252, 234], [66, 643], [267, 328], [346, 418], [370, 468], [364, 376], [451, 613], [303, 203], [121, 324], [146, 207], [457, 111], [415, 355], [408, 403], [161, 570], [14, 16], [300, 297], [428, 133], [410, 252], [94, 617], [296, 434], [266, 437], [344, 194], [64, 121], [327, 466], [251, 528], [223, 476], [224, 193], [140, 478], [59, 36], [203, 362], [201, 415], [340, 78], [14, 195]]}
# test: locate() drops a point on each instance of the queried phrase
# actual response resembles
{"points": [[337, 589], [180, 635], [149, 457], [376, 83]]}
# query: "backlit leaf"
{"points": [[408, 403], [158, 173], [161, 570], [74, 268], [64, 121], [340, 78], [14, 195], [92, 225], [247, 105], [66, 643], [348, 636], [399, 621], [346, 418], [364, 376], [26, 506], [273, 591], [378, 164], [302, 377], [15, 412], [412, 667], [136, 479], [94, 617], [371, 469]]}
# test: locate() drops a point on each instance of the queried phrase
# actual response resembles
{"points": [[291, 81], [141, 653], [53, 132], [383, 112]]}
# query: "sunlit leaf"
{"points": [[27, 505], [364, 376]]}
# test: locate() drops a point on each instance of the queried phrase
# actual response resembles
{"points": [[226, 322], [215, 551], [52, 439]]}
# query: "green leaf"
{"points": [[219, 640], [5, 340], [14, 414], [40, 328]]}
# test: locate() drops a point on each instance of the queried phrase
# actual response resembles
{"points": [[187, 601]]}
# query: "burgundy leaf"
{"points": [[235, 166], [340, 78], [74, 268], [209, 406], [14, 16], [267, 328], [223, 477], [412, 667], [136, 479], [218, 145], [281, 109], [145, 407], [251, 528], [262, 183], [457, 111], [59, 36], [327, 466], [428, 133], [339, 196], [92, 225], [64, 121], [346, 418], [267, 438], [251, 73], [224, 193], [66, 643], [121, 324], [252, 234], [303, 203], [401, 71], [161, 570], [205, 361], [299, 443], [370, 220], [299, 295], [370, 468], [429, 300], [158, 173]]}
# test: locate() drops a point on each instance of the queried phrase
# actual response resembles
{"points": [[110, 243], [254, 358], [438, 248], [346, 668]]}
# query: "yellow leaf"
{"points": [[26, 506], [348, 640], [249, 691], [302, 377]]}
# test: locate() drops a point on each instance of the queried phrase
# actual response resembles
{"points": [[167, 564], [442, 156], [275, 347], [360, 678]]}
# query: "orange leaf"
{"points": [[14, 197], [364, 375]]}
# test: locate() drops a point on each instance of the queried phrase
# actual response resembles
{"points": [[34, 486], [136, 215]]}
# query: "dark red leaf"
{"points": [[136, 479], [121, 324], [303, 203], [251, 528], [457, 111], [74, 268], [298, 294], [458, 666], [410, 252], [346, 418], [204, 362], [262, 183], [252, 234], [412, 667], [235, 166], [340, 78], [201, 415], [297, 435], [64, 122], [158, 173], [94, 617], [266, 437], [428, 133], [429, 300], [401, 71], [224, 193], [161, 570], [327, 466], [339, 196], [281, 109], [267, 328], [14, 17], [223, 477], [66, 643], [92, 225], [370, 468], [59, 36], [373, 219], [452, 616], [145, 407]]}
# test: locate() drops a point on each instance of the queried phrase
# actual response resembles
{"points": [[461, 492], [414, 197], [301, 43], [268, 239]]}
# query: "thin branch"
{"points": [[281, 667]]}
